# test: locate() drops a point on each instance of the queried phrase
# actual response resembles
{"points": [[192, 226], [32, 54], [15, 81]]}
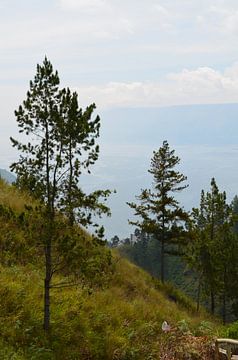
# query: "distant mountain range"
{"points": [[6, 175]]}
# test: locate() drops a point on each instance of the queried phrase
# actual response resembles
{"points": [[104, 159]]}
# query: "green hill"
{"points": [[118, 317]]}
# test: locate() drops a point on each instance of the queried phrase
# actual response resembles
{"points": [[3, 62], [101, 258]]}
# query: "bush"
{"points": [[232, 331]]}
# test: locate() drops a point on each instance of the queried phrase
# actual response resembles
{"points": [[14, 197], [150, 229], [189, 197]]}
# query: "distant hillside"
{"points": [[6, 175]]}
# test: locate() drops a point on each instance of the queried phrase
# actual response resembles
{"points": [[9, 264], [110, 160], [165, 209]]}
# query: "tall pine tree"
{"points": [[61, 143], [160, 213]]}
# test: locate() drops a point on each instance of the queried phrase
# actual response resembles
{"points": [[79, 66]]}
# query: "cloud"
{"points": [[220, 17], [108, 21], [69, 26], [130, 17], [203, 85], [123, 50], [84, 5]]}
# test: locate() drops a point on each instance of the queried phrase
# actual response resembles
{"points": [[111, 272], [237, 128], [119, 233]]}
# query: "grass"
{"points": [[120, 319], [10, 196]]}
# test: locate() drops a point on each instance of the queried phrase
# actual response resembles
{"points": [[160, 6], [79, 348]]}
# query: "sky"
{"points": [[121, 54]]}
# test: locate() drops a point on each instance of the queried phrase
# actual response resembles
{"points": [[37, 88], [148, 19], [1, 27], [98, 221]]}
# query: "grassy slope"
{"points": [[121, 320]]}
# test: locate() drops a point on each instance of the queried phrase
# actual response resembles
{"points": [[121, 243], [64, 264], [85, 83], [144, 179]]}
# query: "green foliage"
{"points": [[8, 352], [234, 206], [15, 243], [232, 331], [146, 253], [205, 328], [183, 326], [213, 247]]}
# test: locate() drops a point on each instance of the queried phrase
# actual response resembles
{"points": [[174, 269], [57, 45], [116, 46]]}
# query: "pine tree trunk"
{"points": [[198, 295], [224, 299], [162, 261], [48, 260], [212, 302], [48, 266], [212, 239], [162, 248], [224, 308], [71, 210]]}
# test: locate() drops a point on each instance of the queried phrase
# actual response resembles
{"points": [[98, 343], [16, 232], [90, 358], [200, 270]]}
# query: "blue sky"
{"points": [[130, 54]]}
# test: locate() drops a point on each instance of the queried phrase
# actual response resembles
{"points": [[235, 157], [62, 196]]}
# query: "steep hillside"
{"points": [[119, 317], [122, 320]]}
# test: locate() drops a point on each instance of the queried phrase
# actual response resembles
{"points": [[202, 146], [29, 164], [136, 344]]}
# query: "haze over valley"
{"points": [[203, 136]]}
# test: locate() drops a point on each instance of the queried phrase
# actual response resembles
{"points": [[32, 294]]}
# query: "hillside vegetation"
{"points": [[118, 317]]}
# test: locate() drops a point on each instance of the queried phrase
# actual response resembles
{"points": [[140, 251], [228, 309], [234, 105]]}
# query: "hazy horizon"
{"points": [[204, 137]]}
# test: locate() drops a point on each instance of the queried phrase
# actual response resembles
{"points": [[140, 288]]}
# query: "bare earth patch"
{"points": [[180, 346]]}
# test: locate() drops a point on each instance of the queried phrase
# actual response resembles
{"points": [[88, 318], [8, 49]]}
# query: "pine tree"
{"points": [[61, 144], [159, 211], [211, 248]]}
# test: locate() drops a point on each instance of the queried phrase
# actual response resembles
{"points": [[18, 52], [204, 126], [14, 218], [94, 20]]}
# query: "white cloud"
{"points": [[88, 5], [70, 25], [223, 18], [200, 86], [106, 19], [124, 43]]}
